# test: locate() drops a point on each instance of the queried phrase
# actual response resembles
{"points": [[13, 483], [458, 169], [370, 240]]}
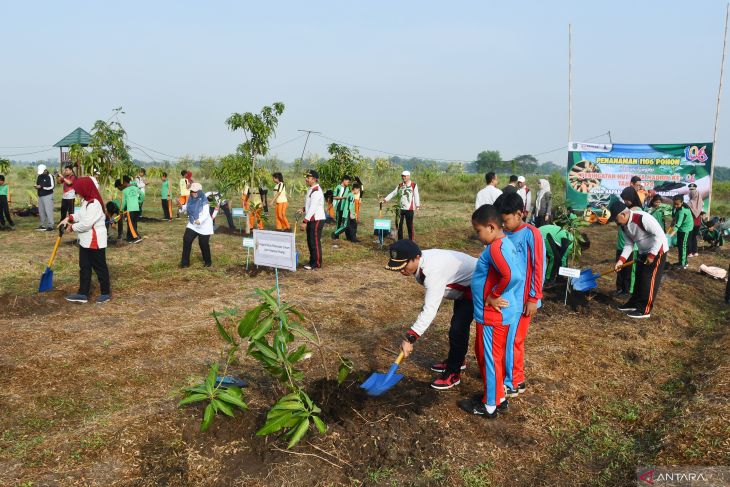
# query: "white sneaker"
{"points": [[308, 267]]}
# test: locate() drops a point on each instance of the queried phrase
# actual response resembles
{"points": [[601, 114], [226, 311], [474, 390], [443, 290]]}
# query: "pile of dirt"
{"points": [[40, 304]]}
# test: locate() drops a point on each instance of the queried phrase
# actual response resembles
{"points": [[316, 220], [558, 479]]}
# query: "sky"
{"points": [[438, 80]]}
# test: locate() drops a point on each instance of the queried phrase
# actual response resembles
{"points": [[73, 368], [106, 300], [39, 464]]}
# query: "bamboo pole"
{"points": [[717, 111], [570, 84]]}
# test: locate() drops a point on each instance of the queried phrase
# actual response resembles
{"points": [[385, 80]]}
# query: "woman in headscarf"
{"points": [[89, 224], [543, 203], [200, 225], [695, 205]]}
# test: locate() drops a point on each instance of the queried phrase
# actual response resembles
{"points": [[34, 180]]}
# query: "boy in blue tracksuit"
{"points": [[494, 288], [528, 243]]}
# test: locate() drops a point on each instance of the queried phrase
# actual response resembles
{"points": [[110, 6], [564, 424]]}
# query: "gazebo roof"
{"points": [[78, 136]]}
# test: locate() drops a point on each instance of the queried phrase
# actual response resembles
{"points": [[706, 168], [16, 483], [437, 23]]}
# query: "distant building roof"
{"points": [[78, 136]]}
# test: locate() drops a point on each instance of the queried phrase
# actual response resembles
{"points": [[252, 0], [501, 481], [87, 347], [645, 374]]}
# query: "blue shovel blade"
{"points": [[586, 281], [378, 383], [46, 283]]}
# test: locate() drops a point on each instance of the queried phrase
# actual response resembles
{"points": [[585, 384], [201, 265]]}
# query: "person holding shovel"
{"points": [[445, 274], [90, 225], [642, 229]]}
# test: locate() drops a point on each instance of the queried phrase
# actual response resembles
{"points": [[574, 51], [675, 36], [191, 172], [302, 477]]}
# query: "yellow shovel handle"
{"points": [[55, 249], [625, 264], [400, 358]]}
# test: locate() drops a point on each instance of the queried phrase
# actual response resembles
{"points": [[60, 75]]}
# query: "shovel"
{"points": [[587, 279], [377, 383], [46, 283]]}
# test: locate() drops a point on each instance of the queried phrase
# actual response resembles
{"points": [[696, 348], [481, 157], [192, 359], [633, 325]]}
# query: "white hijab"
{"points": [[543, 188]]}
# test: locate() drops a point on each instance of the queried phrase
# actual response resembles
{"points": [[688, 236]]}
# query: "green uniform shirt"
{"points": [[165, 189], [683, 221], [557, 234], [340, 190], [4, 190], [140, 193], [659, 214], [130, 198]]}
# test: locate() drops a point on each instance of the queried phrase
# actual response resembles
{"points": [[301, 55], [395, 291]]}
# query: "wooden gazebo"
{"points": [[78, 136]]}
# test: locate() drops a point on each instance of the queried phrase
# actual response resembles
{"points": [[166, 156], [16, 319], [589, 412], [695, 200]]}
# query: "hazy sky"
{"points": [[441, 80]]}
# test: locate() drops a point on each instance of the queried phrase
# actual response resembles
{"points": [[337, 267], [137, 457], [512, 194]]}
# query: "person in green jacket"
{"points": [[558, 246], [130, 208], [339, 201], [659, 211], [626, 277], [683, 225], [349, 216], [5, 204]]}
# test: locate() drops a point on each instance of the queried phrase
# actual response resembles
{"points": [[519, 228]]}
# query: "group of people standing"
{"points": [[538, 212]]}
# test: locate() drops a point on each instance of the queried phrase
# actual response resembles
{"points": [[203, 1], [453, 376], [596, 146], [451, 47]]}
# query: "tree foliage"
{"points": [[343, 160], [4, 165], [257, 130]]}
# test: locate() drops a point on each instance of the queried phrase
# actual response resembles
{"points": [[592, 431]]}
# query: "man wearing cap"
{"points": [[444, 274], [314, 217], [44, 185], [526, 196], [641, 229], [407, 190]]}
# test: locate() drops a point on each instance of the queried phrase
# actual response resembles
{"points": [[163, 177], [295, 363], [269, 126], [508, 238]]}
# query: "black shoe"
{"points": [[619, 293], [509, 392], [627, 307], [207, 265], [477, 408], [183, 266], [638, 314], [502, 408], [521, 387]]}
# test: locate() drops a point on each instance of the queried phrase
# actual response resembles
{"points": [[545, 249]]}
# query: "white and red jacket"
{"points": [[643, 230], [314, 204], [446, 274], [409, 200], [88, 223]]}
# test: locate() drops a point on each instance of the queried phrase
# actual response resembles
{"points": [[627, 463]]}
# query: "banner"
{"points": [[597, 171]]}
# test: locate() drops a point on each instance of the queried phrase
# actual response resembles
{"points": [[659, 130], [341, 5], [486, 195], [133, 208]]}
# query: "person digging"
{"points": [[444, 274]]}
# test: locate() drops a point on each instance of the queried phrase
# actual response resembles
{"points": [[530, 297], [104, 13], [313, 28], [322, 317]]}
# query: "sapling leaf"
{"points": [[236, 401], [273, 425], [264, 348], [222, 406], [344, 370], [268, 298], [262, 329], [298, 432], [297, 354], [210, 380], [299, 330], [193, 398], [222, 330], [319, 424], [207, 417], [246, 324]]}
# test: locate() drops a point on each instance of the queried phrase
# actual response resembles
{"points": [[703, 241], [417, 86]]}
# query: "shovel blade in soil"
{"points": [[46, 283], [378, 383], [586, 281]]}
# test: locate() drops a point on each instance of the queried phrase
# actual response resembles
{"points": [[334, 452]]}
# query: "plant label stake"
{"points": [[248, 244], [570, 273]]}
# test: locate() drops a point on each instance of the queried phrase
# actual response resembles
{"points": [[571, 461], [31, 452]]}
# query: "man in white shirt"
{"points": [[314, 217], [407, 190], [444, 274], [490, 193], [526, 195]]}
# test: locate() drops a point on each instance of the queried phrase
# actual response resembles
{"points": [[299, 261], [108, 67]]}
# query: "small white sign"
{"points": [[247, 243], [237, 212], [381, 224], [275, 249], [569, 272]]}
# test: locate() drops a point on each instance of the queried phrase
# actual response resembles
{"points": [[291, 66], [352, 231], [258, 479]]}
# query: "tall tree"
{"points": [[257, 130], [343, 160], [488, 160]]}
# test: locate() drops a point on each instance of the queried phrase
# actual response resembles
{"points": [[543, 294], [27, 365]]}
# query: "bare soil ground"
{"points": [[91, 391]]}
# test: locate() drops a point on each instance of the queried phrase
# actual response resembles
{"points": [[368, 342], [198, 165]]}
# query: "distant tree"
{"points": [[4, 166], [526, 164], [489, 160], [455, 168], [343, 160], [257, 130]]}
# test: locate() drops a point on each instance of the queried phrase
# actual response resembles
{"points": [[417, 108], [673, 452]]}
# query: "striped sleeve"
{"points": [[500, 263], [537, 256]]}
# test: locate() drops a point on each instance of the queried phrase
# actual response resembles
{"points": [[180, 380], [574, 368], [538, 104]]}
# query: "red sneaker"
{"points": [[442, 366], [446, 381]]}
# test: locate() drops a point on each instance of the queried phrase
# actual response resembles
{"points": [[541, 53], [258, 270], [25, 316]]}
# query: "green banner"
{"points": [[597, 171]]}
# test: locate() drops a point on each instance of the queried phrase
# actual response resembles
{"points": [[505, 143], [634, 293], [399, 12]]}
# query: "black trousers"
{"points": [[539, 220], [351, 230], [459, 334], [623, 277], [314, 242], [229, 216], [93, 259], [166, 209], [646, 287], [203, 241], [692, 244], [5, 211], [132, 219], [67, 208], [408, 216], [683, 247]]}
